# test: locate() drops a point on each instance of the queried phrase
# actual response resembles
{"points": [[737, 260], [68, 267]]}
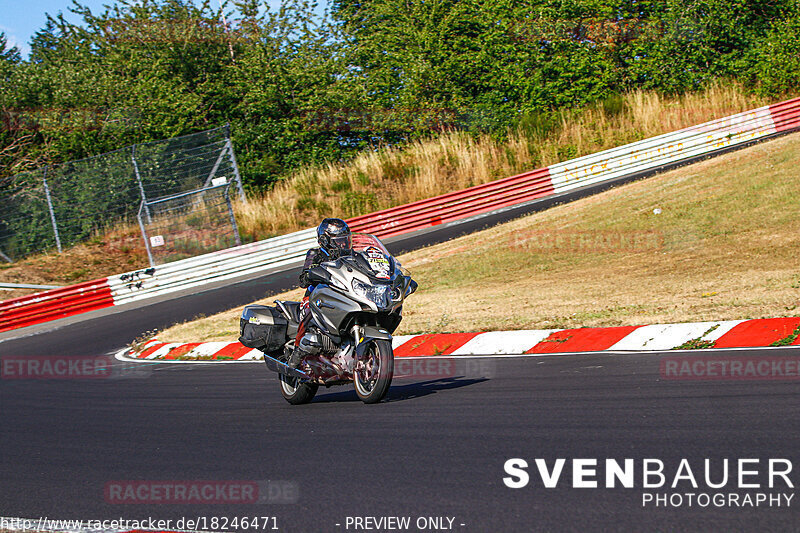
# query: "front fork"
{"points": [[363, 336]]}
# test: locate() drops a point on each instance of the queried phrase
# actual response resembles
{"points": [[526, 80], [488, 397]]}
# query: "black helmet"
{"points": [[333, 236]]}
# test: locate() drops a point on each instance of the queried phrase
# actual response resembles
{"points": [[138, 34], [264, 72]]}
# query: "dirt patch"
{"points": [[100, 257]]}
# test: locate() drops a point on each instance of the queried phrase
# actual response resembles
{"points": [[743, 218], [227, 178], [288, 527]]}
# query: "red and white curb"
{"points": [[661, 337]]}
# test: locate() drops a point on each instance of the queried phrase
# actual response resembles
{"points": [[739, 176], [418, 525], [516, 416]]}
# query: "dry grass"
{"points": [[223, 326], [724, 246], [384, 178], [118, 251]]}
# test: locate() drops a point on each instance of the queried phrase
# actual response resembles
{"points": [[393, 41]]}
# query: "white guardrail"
{"points": [[662, 150], [217, 266], [15, 286]]}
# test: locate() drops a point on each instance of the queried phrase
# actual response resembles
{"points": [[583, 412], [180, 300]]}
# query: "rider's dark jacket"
{"points": [[314, 257]]}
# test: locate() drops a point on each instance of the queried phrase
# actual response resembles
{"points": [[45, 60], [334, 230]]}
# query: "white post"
{"points": [[50, 207]]}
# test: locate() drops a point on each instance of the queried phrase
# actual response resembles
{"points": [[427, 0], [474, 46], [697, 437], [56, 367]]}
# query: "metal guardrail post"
{"points": [[50, 207], [233, 217], [144, 234], [217, 163], [232, 155], [139, 181]]}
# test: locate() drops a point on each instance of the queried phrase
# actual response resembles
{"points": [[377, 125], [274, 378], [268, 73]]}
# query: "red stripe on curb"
{"points": [[234, 350], [582, 339], [434, 344], [180, 351], [755, 333], [150, 350]]}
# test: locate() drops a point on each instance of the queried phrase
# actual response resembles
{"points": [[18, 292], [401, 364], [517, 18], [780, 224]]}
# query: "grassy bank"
{"points": [[391, 176], [712, 241]]}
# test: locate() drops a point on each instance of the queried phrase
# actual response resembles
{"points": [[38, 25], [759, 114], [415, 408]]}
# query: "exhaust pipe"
{"points": [[282, 368]]}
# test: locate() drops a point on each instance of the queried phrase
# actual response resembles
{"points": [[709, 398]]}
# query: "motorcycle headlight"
{"points": [[380, 294], [397, 294]]}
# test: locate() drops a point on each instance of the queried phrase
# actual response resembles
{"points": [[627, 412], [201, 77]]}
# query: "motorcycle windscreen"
{"points": [[375, 253]]}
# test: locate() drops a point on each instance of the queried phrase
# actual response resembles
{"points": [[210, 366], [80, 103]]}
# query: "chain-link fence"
{"points": [[189, 224], [59, 206], [25, 224]]}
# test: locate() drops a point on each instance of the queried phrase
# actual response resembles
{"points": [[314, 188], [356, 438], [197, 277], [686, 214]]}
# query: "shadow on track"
{"points": [[399, 393]]}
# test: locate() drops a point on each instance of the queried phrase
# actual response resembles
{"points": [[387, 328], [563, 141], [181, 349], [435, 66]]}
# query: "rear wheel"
{"points": [[373, 374], [295, 392]]}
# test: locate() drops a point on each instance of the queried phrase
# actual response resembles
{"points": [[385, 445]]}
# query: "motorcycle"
{"points": [[356, 304]]}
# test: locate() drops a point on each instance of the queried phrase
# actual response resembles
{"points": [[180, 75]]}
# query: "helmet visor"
{"points": [[341, 242]]}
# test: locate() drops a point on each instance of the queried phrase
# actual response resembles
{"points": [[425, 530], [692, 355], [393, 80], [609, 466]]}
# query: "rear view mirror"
{"points": [[412, 287]]}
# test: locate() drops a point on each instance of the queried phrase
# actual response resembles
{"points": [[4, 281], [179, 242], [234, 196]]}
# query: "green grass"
{"points": [[789, 339]]}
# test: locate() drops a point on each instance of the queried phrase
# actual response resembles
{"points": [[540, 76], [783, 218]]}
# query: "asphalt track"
{"points": [[435, 448]]}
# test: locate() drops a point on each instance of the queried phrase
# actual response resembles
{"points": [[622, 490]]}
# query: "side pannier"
{"points": [[263, 328]]}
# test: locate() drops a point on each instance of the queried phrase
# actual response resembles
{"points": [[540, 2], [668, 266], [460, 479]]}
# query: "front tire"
{"points": [[373, 375], [294, 392]]}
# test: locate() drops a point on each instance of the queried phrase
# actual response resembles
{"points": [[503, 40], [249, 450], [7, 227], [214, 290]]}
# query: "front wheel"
{"points": [[373, 374], [294, 392]]}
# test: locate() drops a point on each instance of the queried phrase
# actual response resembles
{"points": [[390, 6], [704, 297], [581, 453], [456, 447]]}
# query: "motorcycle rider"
{"points": [[335, 240]]}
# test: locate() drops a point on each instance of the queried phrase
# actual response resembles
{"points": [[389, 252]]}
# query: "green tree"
{"points": [[157, 69], [8, 54], [776, 61]]}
